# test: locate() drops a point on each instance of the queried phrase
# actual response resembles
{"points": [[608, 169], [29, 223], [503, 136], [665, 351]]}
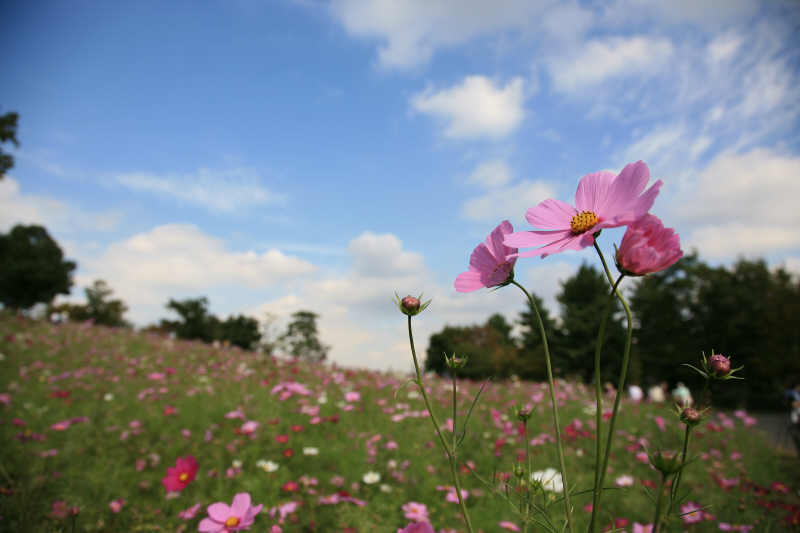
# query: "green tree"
{"points": [[8, 133], [99, 307], [241, 331], [489, 348], [532, 362], [665, 332], [195, 321], [301, 337], [32, 268], [583, 299]]}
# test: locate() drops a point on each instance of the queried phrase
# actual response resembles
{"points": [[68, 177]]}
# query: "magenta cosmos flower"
{"points": [[648, 247], [417, 527], [602, 200], [489, 264], [237, 517], [181, 474]]}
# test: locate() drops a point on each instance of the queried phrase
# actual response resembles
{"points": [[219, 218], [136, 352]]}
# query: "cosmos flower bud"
{"points": [[719, 364], [691, 416], [411, 305], [455, 362], [647, 247]]}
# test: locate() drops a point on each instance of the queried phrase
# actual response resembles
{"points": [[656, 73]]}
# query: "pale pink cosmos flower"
{"points": [[692, 513], [642, 528], [418, 512], [648, 247], [236, 517], [602, 200], [511, 526], [489, 264], [116, 505]]}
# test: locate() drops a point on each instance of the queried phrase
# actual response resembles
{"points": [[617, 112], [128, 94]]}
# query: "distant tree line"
{"points": [[748, 311], [33, 271]]}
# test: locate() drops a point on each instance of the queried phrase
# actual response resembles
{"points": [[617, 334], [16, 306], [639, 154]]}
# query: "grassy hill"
{"points": [[91, 418]]}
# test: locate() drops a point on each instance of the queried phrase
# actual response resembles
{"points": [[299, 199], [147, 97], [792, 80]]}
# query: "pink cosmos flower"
{"points": [[511, 526], [642, 528], [417, 527], [648, 247], [116, 505], [489, 264], [223, 519], [602, 200], [692, 513], [418, 512], [188, 514], [181, 474]]}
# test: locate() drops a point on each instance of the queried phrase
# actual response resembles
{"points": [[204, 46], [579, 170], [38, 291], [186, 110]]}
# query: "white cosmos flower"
{"points": [[550, 479], [310, 450], [370, 478], [267, 466]]}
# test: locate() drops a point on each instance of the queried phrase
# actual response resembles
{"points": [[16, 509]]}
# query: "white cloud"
{"points": [[743, 204], [382, 256], [475, 108], [411, 31], [500, 203], [600, 60], [491, 174], [227, 190], [179, 260], [54, 215]]}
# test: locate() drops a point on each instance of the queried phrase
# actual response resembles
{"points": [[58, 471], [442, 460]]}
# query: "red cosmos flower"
{"points": [[181, 474], [282, 439], [288, 453]]}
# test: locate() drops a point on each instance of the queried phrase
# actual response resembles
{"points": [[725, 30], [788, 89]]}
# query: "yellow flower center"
{"points": [[583, 221], [184, 476], [232, 521]]}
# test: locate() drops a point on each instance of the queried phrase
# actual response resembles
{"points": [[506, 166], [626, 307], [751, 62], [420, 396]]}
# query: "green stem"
{"points": [[677, 480], [527, 478], [598, 389], [659, 501], [567, 503], [623, 374], [450, 453]]}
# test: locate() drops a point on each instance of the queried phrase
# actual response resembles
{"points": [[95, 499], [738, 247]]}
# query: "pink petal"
{"points": [[550, 215], [209, 526], [252, 512], [627, 186], [593, 191], [469, 281], [526, 239], [495, 241], [641, 205], [482, 259], [219, 512], [241, 504]]}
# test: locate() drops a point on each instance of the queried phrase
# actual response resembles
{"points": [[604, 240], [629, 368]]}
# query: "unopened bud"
{"points": [[691, 416], [523, 415], [719, 364], [455, 362], [519, 471], [410, 303]]}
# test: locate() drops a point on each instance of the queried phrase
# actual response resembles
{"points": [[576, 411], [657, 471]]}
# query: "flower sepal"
{"points": [[411, 305]]}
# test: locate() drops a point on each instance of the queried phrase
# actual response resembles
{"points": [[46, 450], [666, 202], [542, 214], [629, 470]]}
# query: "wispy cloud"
{"points": [[216, 190]]}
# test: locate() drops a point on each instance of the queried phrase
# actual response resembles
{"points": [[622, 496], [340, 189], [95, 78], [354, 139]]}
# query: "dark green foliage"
{"points": [[301, 337], [747, 312], [583, 300], [489, 349], [532, 362], [32, 268], [8, 133], [241, 331], [195, 322], [98, 308]]}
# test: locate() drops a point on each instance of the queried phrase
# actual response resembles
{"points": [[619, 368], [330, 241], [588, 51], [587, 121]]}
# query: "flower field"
{"points": [[111, 430]]}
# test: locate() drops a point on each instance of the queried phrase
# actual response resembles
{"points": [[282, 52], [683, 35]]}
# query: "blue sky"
{"points": [[284, 155]]}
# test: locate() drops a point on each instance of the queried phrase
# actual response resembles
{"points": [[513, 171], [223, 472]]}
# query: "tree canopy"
{"points": [[8, 133], [32, 268]]}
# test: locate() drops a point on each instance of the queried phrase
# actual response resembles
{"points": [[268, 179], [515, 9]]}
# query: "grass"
{"points": [[131, 404]]}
